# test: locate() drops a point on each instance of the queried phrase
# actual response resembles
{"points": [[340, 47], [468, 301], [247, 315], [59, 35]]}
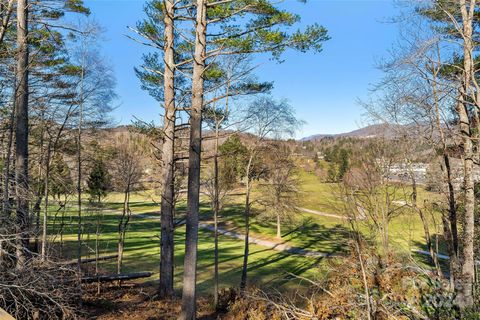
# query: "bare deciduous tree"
{"points": [[266, 118], [127, 172], [280, 192]]}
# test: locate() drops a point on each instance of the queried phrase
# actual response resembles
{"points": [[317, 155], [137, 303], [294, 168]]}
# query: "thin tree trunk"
{"points": [[40, 185], [97, 254], [428, 240], [426, 229], [6, 20], [45, 214], [168, 165], [6, 205], [36, 216], [453, 257], [62, 224], [193, 198], [216, 209], [122, 229], [243, 281], [79, 180], [6, 172], [364, 273], [452, 206], [450, 230], [279, 231], [21, 135], [453, 230]]}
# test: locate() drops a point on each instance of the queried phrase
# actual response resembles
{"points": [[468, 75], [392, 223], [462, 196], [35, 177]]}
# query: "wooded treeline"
{"points": [[57, 91], [202, 76], [431, 88]]}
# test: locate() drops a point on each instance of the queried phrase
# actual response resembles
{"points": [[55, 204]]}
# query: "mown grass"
{"points": [[266, 268], [406, 230]]}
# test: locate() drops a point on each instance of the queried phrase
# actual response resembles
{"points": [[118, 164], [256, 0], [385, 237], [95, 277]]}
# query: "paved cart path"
{"points": [[283, 247]]}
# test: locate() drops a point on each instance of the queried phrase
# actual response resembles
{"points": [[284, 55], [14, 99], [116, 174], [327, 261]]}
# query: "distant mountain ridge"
{"points": [[370, 131]]}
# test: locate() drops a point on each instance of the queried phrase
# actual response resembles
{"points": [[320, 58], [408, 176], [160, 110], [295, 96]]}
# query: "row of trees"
{"points": [[62, 91], [200, 60], [54, 87]]}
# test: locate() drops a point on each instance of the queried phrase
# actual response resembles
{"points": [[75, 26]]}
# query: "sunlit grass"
{"points": [[267, 267]]}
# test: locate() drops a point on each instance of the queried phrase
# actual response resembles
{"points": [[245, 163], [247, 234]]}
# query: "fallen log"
{"points": [[116, 277], [75, 261]]}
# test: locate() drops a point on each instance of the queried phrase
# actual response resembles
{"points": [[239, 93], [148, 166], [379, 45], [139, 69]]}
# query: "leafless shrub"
{"points": [[395, 292], [39, 289]]}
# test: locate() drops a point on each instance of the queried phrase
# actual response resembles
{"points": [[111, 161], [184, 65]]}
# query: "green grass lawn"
{"points": [[325, 234], [406, 230], [266, 267]]}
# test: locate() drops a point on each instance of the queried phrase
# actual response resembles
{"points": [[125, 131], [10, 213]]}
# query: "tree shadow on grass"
{"points": [[425, 259], [319, 237]]}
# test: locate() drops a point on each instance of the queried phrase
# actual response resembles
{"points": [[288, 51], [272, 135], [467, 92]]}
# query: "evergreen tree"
{"points": [[332, 174], [233, 158], [98, 181], [344, 163]]}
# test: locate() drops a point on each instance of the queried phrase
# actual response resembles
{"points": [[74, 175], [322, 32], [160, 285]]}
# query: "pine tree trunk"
{"points": [[168, 162], [193, 197], [21, 135]]}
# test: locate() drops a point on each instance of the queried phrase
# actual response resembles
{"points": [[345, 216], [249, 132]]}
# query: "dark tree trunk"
{"points": [[122, 229], [426, 229], [451, 204], [45, 212], [21, 135], [6, 171], [216, 209], [243, 282], [450, 231], [79, 178], [7, 14]]}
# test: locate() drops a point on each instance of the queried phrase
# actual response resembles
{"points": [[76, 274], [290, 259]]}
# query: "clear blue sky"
{"points": [[323, 87]]}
